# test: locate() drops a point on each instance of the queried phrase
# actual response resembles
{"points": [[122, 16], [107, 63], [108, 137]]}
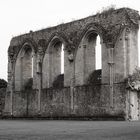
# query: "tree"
{"points": [[3, 83], [133, 80]]}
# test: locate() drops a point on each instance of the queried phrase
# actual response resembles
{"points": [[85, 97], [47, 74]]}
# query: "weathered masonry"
{"points": [[38, 87]]}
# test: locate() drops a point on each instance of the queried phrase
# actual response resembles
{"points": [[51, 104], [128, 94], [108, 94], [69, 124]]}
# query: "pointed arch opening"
{"points": [[24, 68], [88, 61], [98, 54], [53, 64], [62, 59]]}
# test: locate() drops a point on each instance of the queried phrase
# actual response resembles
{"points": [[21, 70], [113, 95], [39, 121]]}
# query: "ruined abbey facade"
{"points": [[38, 88]]}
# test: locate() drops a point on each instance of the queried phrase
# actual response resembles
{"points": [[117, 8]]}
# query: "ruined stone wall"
{"points": [[117, 30], [88, 102]]}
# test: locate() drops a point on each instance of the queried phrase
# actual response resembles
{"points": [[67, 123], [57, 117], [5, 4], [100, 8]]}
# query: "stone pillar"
{"points": [[72, 83], [39, 73], [131, 40], [84, 63], [131, 37], [68, 65], [72, 95], [12, 82], [105, 67], [111, 73], [69, 74], [9, 73], [133, 112]]}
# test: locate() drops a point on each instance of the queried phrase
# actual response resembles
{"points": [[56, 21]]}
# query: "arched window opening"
{"points": [[53, 65], [98, 53], [88, 61], [27, 70], [58, 65], [62, 59], [27, 63], [24, 69], [94, 76]]}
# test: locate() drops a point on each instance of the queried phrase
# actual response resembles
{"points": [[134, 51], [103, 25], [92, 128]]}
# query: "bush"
{"points": [[29, 84], [133, 80], [59, 81], [95, 77], [106, 11], [135, 76], [2, 99]]}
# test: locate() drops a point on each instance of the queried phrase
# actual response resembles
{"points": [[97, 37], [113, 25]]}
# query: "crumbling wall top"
{"points": [[107, 24]]}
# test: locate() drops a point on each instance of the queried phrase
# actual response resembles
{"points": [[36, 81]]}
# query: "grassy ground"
{"points": [[68, 130]]}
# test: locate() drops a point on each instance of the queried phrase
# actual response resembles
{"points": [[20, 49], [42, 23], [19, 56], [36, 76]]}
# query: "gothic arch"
{"points": [[51, 63], [24, 66], [91, 27], [61, 36], [85, 54], [30, 42]]}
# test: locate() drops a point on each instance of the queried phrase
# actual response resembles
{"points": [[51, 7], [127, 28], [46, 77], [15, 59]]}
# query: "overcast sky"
{"points": [[20, 16]]}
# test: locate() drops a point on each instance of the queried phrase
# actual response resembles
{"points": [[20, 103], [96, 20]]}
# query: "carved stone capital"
{"points": [[127, 32], [40, 50], [71, 57]]}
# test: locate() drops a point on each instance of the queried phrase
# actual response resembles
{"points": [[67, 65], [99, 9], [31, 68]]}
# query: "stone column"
{"points": [[111, 73], [39, 72], [72, 84], [71, 66], [84, 63], [72, 95], [12, 81], [131, 42], [9, 73]]}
